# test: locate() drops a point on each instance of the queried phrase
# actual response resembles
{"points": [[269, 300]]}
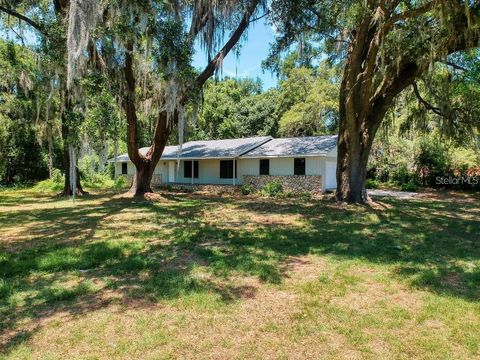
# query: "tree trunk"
{"points": [[115, 156], [353, 153], [67, 191], [145, 165], [102, 158], [50, 150], [142, 180]]}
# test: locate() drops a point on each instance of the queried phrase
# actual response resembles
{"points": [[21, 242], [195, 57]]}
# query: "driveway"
{"points": [[392, 193]]}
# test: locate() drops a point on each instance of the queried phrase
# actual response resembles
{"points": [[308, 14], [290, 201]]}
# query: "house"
{"points": [[301, 164]]}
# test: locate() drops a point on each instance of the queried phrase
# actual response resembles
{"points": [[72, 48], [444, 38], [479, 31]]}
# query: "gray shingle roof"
{"points": [[167, 151], [312, 145], [217, 148], [208, 149]]}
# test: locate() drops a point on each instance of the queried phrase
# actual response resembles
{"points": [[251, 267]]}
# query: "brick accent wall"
{"points": [[290, 183]]}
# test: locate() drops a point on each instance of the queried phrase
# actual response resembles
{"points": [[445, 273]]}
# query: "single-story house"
{"points": [[303, 163]]}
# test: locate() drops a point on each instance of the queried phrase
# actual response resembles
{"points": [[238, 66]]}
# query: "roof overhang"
{"points": [[323, 154]]}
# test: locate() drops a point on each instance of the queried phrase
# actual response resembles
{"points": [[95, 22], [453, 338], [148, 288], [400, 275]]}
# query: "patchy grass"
{"points": [[194, 276]]}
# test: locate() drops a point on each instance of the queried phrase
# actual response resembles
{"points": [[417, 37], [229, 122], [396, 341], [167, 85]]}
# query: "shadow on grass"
{"points": [[153, 255]]}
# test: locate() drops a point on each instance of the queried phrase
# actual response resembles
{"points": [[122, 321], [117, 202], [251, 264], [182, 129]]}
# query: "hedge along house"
{"points": [[300, 164]]}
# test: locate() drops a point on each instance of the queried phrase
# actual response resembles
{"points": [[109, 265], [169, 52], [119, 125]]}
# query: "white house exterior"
{"points": [[230, 162]]}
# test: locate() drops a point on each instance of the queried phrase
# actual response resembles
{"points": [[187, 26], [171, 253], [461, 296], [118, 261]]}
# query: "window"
{"points": [[299, 166], [264, 167], [187, 169], [226, 169], [124, 169]]}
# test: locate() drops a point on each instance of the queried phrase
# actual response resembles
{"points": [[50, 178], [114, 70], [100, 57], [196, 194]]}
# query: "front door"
{"points": [[171, 171]]}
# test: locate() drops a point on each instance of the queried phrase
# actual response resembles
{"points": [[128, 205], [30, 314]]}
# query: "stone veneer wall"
{"points": [[156, 179], [290, 183], [211, 189]]}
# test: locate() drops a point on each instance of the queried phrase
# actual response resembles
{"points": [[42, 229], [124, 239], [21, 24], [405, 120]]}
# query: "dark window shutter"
{"points": [[299, 166], [226, 169], [187, 169], [124, 169], [264, 167], [195, 169]]}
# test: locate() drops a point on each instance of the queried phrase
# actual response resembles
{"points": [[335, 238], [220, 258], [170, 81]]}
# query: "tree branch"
{"points": [[218, 59], [424, 102], [129, 104], [260, 17], [413, 13], [198, 24], [21, 17]]}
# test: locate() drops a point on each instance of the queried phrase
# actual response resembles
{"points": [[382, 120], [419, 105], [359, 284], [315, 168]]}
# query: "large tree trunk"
{"points": [[145, 164], [115, 156], [141, 183], [50, 149], [354, 145], [67, 188], [102, 158]]}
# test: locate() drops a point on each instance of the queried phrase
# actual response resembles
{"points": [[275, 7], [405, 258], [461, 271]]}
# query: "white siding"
{"points": [[208, 173], [314, 165], [248, 167], [209, 170], [162, 170], [331, 174], [281, 166]]}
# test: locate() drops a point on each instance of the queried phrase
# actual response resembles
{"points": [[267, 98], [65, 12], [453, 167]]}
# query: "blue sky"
{"points": [[252, 53], [248, 64]]}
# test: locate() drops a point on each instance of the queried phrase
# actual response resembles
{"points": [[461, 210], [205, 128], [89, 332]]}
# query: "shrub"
{"points": [[372, 184], [401, 175], [247, 189], [432, 160], [273, 188], [55, 183], [98, 181], [305, 195], [167, 187], [409, 186], [120, 183]]}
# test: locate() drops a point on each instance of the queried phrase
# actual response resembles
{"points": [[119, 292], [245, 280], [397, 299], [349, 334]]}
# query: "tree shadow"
{"points": [[152, 254]]}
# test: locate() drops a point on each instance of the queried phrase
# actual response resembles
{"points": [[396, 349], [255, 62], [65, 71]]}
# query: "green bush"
{"points": [[247, 189], [120, 183], [433, 159], [55, 183], [372, 184], [409, 186], [401, 174], [97, 181], [273, 188], [305, 196], [166, 187]]}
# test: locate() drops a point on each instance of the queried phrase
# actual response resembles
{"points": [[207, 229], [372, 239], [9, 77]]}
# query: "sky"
{"points": [[252, 53], [248, 64]]}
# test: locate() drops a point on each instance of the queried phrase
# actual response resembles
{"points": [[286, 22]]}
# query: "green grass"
{"points": [[240, 277]]}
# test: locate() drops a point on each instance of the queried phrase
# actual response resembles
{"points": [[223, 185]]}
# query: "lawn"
{"points": [[198, 276]]}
